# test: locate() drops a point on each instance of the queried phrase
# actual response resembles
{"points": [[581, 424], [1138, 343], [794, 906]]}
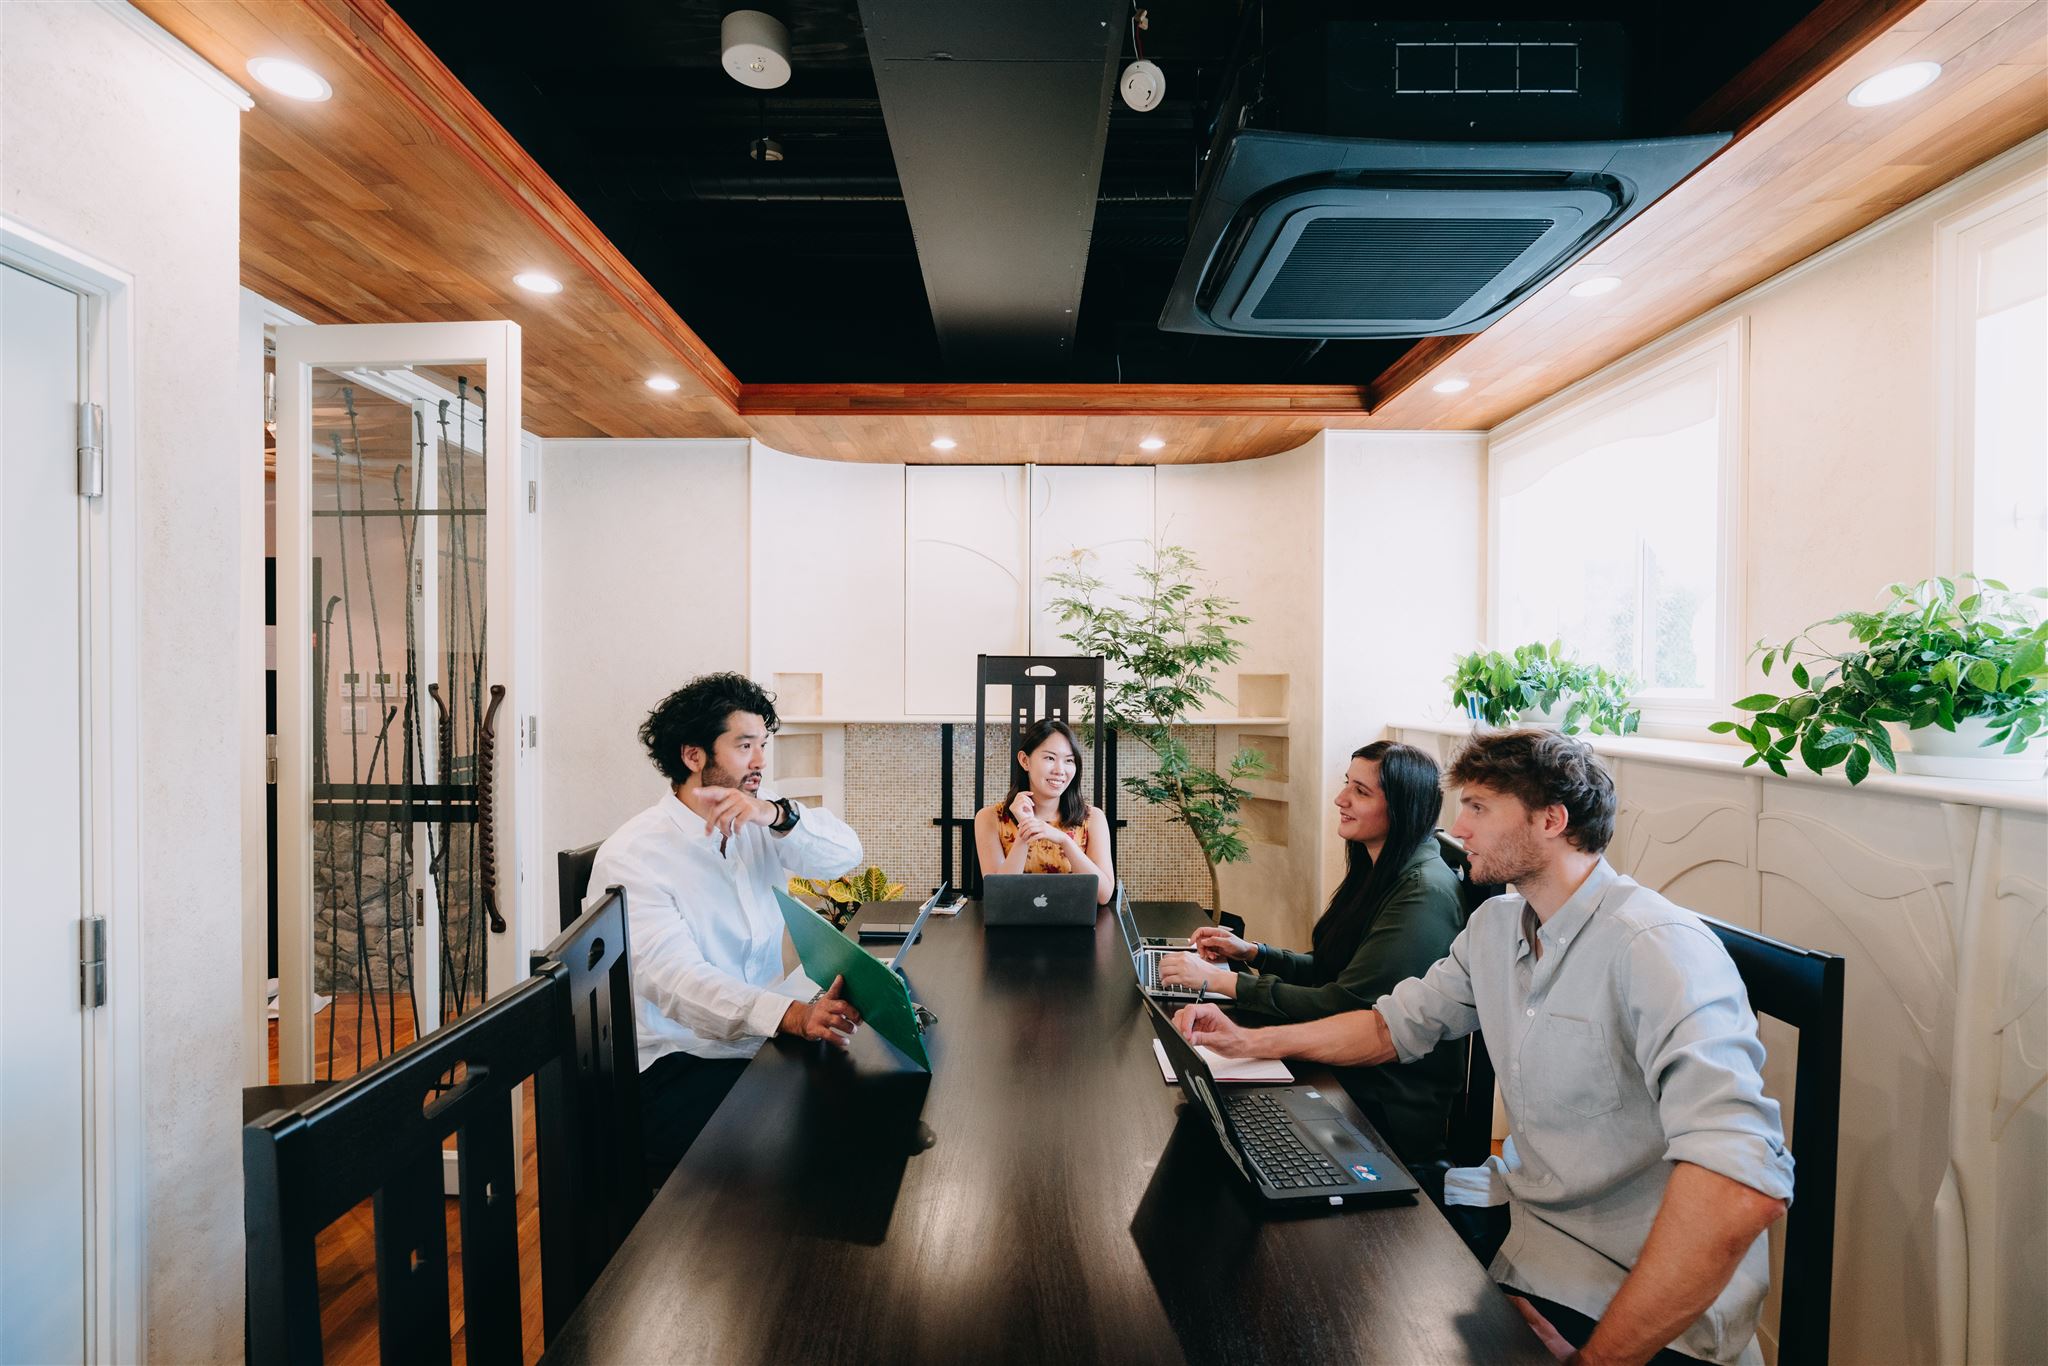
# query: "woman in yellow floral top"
{"points": [[1046, 824]]}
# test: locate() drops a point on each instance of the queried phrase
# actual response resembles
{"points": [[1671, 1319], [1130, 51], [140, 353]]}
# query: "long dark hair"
{"points": [[1074, 800], [1414, 793]]}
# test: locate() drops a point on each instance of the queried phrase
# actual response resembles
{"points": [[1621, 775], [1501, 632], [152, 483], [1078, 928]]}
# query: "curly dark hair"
{"points": [[1542, 768], [696, 713]]}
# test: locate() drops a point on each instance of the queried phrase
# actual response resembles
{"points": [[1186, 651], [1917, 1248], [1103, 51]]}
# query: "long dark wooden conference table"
{"points": [[1042, 1195]]}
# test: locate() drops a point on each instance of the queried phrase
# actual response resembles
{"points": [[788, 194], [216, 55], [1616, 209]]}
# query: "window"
{"points": [[1994, 302], [1613, 530]]}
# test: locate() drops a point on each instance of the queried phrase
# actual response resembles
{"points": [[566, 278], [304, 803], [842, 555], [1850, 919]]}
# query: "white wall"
{"points": [[1253, 526], [645, 548], [114, 149], [1403, 585]]}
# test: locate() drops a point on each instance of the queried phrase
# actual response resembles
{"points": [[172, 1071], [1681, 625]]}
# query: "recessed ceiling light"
{"points": [[1451, 386], [537, 283], [944, 443], [1895, 84], [662, 384], [1151, 443], [1595, 287], [289, 78]]}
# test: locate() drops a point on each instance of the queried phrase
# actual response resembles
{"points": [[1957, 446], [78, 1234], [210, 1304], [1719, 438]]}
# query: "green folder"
{"points": [[872, 985]]}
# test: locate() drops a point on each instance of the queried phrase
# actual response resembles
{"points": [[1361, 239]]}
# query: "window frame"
{"points": [[1959, 240], [1723, 351]]}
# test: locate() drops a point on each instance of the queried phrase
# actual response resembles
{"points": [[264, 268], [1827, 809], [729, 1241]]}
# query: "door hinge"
{"points": [[92, 961], [270, 760], [419, 577], [533, 495], [419, 907], [92, 453], [533, 732]]}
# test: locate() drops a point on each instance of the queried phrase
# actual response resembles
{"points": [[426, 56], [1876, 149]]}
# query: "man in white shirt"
{"points": [[700, 868]]}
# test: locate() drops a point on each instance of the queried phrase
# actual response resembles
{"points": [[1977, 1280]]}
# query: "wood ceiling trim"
{"points": [[1334, 401], [394, 54]]}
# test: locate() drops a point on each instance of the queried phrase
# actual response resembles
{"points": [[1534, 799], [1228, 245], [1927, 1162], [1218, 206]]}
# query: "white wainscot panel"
{"points": [[1689, 836], [1874, 878], [825, 582], [965, 586], [1995, 1215], [1104, 508]]}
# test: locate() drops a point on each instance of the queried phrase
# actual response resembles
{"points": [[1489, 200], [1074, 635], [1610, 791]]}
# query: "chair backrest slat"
{"points": [[380, 1134], [1803, 988], [593, 1181], [572, 869]]}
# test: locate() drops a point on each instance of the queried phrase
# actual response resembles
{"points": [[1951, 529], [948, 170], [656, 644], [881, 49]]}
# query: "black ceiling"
{"points": [[806, 271]]}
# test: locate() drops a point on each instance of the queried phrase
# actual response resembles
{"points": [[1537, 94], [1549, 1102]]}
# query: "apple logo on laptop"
{"points": [[1038, 901]]}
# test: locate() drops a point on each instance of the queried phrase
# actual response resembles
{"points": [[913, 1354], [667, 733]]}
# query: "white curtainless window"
{"points": [[1612, 527]]}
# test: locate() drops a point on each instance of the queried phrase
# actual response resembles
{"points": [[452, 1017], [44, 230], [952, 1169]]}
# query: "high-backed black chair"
{"points": [[572, 870], [1803, 988], [379, 1134], [589, 1110], [1041, 686], [1471, 1127]]}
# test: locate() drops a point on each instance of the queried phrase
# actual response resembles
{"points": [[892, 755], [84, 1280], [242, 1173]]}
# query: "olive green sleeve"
{"points": [[1413, 929]]}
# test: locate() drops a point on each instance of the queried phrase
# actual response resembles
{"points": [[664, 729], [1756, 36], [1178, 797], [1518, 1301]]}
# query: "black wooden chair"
{"points": [[1471, 1126], [572, 869], [1041, 686], [380, 1134], [588, 1110], [1803, 988]]}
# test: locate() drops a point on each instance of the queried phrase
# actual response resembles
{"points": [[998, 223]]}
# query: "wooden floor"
{"points": [[347, 1250]]}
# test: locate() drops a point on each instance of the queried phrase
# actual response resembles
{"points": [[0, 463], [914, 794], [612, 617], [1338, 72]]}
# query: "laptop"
{"points": [[924, 913], [1145, 955], [1038, 899], [1292, 1145]]}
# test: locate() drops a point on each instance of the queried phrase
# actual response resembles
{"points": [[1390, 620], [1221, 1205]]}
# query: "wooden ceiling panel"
{"points": [[403, 200]]}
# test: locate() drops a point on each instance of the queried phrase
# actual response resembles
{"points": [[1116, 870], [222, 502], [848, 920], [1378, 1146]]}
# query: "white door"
{"points": [[399, 903], [45, 1031]]}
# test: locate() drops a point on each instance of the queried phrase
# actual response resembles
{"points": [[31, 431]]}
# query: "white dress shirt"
{"points": [[704, 930]]}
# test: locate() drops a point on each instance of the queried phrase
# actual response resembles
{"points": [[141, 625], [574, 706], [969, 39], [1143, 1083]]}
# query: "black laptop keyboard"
{"points": [[1270, 1141]]}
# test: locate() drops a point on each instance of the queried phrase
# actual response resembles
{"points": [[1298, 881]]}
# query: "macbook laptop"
{"points": [[1145, 955], [1292, 1145], [1038, 899]]}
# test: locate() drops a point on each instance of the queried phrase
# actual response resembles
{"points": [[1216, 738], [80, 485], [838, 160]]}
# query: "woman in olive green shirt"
{"points": [[1395, 914]]}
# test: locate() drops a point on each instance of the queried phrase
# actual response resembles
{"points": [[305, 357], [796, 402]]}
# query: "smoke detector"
{"points": [[754, 48], [1143, 86]]}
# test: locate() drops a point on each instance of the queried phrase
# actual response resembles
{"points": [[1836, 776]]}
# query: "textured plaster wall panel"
{"points": [[115, 150], [965, 584]]}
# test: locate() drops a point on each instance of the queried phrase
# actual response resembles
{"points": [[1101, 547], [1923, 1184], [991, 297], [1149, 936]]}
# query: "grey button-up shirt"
{"points": [[1626, 1047]]}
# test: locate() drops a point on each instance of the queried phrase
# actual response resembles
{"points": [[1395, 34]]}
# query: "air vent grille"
{"points": [[1421, 268]]}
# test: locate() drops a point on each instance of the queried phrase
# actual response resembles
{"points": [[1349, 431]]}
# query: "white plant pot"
{"points": [[1932, 752], [1549, 718]]}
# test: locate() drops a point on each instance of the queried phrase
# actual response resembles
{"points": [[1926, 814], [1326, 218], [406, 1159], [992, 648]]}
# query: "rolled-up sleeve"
{"points": [[1424, 1011], [1695, 1040], [669, 968]]}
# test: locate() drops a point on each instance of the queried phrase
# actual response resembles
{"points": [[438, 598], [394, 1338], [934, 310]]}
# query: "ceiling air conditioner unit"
{"points": [[1304, 227]]}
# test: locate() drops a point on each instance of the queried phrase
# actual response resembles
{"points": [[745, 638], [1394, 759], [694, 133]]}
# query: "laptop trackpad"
{"points": [[1335, 1138]]}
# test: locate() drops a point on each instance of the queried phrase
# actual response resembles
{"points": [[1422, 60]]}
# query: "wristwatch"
{"points": [[791, 814]]}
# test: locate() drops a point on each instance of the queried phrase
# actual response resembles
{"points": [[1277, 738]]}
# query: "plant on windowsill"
{"points": [[1539, 684], [1162, 646], [842, 897], [1958, 668]]}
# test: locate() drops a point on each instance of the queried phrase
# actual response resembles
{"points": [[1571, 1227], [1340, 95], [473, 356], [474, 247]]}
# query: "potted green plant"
{"points": [[1162, 646], [1540, 684], [1955, 665], [841, 897]]}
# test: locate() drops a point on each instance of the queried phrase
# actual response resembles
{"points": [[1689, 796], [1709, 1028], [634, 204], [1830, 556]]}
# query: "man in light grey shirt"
{"points": [[1645, 1162]]}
